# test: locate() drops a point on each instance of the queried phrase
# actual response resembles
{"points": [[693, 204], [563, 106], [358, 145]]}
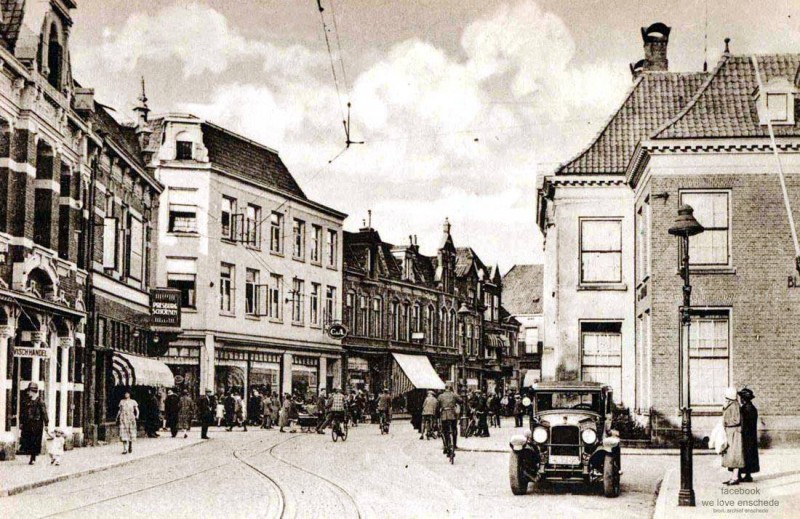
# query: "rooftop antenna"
{"points": [[369, 218], [705, 40]]}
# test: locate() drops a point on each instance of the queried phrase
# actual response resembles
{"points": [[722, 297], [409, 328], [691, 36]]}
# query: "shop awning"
{"points": [[531, 378], [414, 371], [133, 370]]}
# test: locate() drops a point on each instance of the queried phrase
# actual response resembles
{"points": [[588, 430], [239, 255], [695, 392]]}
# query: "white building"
{"points": [[522, 298], [258, 263]]}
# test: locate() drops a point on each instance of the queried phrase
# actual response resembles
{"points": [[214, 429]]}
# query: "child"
{"points": [[220, 411], [56, 447]]}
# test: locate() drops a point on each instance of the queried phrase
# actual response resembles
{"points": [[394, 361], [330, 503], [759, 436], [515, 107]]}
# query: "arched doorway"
{"points": [[26, 368]]}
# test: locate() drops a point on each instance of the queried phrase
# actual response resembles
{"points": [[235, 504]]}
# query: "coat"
{"points": [[733, 457], [749, 415], [206, 408], [172, 405], [32, 421], [447, 405], [429, 406], [185, 412]]}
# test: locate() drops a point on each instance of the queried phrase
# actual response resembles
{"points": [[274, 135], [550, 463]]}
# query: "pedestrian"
{"points": [[448, 404], [127, 415], [429, 407], [55, 447], [266, 412], [220, 411], [519, 411], [151, 415], [206, 407], [172, 405], [238, 411], [749, 415], [33, 421], [733, 456], [481, 412], [230, 410], [286, 407], [254, 408], [186, 413]]}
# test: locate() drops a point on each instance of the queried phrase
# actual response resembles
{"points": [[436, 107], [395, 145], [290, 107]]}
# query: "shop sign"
{"points": [[357, 364], [21, 351], [337, 331], [66, 342], [38, 337], [165, 307], [178, 380]]}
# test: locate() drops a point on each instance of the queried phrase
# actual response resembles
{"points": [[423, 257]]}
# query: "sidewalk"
{"points": [[774, 493], [17, 476]]}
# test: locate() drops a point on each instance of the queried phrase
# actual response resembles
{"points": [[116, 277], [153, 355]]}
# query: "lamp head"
{"points": [[685, 224]]}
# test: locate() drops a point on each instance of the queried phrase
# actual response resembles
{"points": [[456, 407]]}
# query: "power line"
{"points": [[330, 56]]}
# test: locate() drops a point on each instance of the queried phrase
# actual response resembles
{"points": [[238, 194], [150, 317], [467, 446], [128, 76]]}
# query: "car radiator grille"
{"points": [[565, 441]]}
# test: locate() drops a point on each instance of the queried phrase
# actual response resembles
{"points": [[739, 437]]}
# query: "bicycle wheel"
{"points": [[334, 433], [344, 432]]}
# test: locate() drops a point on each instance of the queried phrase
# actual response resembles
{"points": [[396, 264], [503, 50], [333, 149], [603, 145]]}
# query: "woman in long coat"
{"points": [[733, 457], [283, 417], [33, 421], [186, 413], [749, 415], [127, 415]]}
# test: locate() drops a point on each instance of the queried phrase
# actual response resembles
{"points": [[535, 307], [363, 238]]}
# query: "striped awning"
{"points": [[133, 370], [413, 372]]}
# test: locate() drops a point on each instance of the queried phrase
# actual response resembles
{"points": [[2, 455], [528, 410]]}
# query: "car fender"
{"points": [[610, 446]]}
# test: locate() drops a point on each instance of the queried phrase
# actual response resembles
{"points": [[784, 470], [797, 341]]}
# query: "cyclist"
{"points": [[448, 402], [338, 406], [428, 414], [385, 407]]}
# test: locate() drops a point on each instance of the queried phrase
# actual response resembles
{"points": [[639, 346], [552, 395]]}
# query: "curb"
{"points": [[660, 510], [5, 492]]}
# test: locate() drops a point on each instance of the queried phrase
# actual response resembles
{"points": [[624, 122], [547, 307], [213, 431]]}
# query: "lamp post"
{"points": [[685, 226], [463, 311]]}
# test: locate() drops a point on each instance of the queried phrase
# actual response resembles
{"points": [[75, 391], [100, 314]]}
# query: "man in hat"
{"points": [[32, 422], [429, 407], [206, 407], [171, 409], [749, 417], [448, 414]]}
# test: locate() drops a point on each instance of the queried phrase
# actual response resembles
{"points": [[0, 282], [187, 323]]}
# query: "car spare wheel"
{"points": [[610, 477], [516, 476]]}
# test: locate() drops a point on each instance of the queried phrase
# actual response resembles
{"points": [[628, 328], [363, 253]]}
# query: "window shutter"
{"points": [[109, 243]]}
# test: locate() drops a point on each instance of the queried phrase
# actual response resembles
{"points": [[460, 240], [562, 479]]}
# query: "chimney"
{"points": [[656, 39]]}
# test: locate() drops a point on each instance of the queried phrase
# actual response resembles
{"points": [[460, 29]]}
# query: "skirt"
{"points": [[127, 429]]}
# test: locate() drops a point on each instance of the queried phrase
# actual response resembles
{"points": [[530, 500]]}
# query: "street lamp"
{"points": [[686, 226], [463, 311]]}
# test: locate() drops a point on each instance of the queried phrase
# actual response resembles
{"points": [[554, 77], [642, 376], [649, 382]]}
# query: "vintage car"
{"points": [[570, 438]]}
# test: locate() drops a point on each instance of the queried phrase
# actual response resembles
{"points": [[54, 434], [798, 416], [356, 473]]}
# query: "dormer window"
{"points": [[776, 103], [183, 150]]}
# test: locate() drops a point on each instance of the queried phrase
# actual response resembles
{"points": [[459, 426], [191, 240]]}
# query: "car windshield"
{"points": [[568, 400]]}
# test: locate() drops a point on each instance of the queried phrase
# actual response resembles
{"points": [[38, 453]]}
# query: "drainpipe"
{"points": [[89, 355], [780, 171]]}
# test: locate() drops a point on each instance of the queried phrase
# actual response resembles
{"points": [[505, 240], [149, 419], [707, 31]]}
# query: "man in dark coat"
{"points": [[481, 410], [749, 417], [230, 410], [206, 408], [151, 418], [171, 410], [32, 422]]}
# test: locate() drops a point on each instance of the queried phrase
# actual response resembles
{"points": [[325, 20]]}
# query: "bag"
{"points": [[718, 440]]}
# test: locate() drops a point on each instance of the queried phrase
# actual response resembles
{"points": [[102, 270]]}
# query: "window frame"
{"points": [[317, 238], [181, 146], [231, 212], [729, 230], [227, 284], [252, 231], [709, 314], [298, 287], [251, 299], [332, 248], [298, 239], [276, 232], [275, 297], [581, 251], [314, 303], [599, 323]]}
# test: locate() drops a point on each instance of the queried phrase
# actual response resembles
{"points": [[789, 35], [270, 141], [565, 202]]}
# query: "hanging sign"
{"points": [[42, 353], [165, 307], [337, 331]]}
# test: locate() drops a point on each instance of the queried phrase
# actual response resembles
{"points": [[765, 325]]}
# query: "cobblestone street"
{"points": [[267, 474]]}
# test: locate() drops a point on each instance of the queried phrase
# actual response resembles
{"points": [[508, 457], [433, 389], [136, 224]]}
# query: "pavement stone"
{"points": [[774, 493], [18, 476]]}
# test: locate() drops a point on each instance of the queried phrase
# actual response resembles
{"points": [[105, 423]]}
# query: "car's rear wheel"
{"points": [[610, 476], [516, 476]]}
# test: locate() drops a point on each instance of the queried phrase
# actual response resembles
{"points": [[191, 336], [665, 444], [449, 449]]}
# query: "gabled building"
{"points": [[522, 298]]}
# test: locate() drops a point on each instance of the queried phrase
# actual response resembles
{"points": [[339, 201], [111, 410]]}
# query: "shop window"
{"points": [[601, 345]]}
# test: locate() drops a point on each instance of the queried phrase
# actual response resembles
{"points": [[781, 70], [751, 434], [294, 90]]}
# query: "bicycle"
{"points": [[447, 434], [339, 429]]}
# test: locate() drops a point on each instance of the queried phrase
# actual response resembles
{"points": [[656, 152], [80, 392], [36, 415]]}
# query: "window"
{"points": [[394, 310], [299, 239], [182, 275], [363, 315], [276, 232], [430, 336], [227, 219], [709, 346], [444, 325], [711, 209], [376, 328], [468, 341], [275, 295], [415, 324], [601, 251], [134, 262], [531, 341], [110, 229], [182, 210], [601, 346], [314, 305], [55, 57], [404, 322], [316, 243], [349, 311], [643, 240], [183, 150], [298, 287], [330, 304], [253, 226], [778, 107], [226, 288], [251, 280], [332, 247]]}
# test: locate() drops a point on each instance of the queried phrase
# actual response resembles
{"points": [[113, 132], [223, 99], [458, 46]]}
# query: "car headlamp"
{"points": [[540, 435], [526, 401], [589, 436]]}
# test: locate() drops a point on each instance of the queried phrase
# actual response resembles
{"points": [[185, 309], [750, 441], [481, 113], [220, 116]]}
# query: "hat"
{"points": [[747, 393], [730, 393], [209, 392], [33, 386]]}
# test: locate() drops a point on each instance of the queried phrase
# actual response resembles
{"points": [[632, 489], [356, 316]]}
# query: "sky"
{"points": [[461, 104]]}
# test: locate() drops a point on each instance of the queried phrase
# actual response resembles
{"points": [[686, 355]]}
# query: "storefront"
{"points": [[305, 375]]}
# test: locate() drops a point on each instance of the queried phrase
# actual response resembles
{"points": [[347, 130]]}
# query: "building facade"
{"points": [[257, 263], [522, 298]]}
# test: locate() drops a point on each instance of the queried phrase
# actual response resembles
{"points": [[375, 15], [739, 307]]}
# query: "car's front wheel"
{"points": [[516, 475], [610, 476]]}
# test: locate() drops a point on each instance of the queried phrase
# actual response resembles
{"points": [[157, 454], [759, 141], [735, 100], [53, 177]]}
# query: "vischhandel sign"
{"points": [[165, 307]]}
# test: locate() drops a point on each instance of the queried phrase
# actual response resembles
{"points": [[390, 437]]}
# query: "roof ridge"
{"points": [[638, 81], [700, 91]]}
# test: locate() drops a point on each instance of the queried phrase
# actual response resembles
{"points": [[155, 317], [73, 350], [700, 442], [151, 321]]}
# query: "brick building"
{"points": [[522, 297], [74, 244], [258, 264], [715, 155]]}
